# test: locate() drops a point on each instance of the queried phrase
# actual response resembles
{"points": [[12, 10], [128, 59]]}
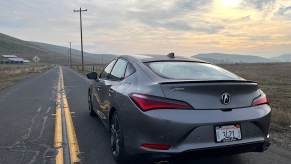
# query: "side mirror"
{"points": [[92, 75]]}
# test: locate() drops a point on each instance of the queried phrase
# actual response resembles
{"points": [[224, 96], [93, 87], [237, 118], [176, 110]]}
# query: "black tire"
{"points": [[91, 110], [116, 141]]}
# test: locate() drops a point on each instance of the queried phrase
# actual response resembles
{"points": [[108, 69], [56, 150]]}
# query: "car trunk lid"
{"points": [[208, 95]]}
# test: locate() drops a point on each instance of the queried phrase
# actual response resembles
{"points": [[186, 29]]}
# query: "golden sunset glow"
{"points": [[259, 27]]}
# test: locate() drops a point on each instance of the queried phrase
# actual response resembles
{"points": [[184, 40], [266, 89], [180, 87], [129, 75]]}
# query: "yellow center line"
{"points": [[72, 138], [73, 142], [58, 142]]}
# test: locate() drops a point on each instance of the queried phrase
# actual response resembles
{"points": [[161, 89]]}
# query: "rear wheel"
{"points": [[91, 110], [116, 140]]}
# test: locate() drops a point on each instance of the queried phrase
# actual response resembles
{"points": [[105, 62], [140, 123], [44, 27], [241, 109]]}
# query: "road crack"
{"points": [[30, 148]]}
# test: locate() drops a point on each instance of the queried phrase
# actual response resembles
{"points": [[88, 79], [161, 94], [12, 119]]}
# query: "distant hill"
{"points": [[13, 46], [219, 58], [283, 58], [54, 54], [47, 53], [76, 54]]}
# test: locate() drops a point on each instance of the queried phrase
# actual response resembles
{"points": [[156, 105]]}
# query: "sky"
{"points": [[186, 27]]}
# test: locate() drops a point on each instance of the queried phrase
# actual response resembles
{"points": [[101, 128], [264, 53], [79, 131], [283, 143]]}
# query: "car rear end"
{"points": [[207, 108]]}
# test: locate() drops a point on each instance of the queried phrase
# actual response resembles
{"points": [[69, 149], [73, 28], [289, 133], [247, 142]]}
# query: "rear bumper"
{"points": [[232, 149], [214, 151], [192, 131]]}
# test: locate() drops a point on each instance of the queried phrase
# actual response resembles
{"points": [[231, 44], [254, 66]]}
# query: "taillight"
{"points": [[146, 102], [262, 99], [156, 146]]}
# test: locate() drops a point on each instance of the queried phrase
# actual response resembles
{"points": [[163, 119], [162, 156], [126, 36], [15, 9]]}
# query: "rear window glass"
{"points": [[191, 71]]}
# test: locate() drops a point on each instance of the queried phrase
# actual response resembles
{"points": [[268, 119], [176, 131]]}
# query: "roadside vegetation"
{"points": [[275, 80], [89, 68], [9, 74]]}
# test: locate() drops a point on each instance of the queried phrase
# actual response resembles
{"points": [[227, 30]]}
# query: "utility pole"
{"points": [[68, 57], [70, 54], [80, 11]]}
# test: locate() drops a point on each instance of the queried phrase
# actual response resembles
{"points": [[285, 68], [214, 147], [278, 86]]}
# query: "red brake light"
{"points": [[146, 102], [156, 146], [262, 99]]}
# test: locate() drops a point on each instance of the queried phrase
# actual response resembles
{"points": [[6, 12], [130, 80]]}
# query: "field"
{"points": [[275, 80], [9, 74], [89, 68]]}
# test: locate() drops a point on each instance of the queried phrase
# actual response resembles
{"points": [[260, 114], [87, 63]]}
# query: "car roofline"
{"points": [[162, 58]]}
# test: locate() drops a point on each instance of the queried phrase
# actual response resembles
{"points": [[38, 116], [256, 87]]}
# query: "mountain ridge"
{"points": [[56, 54], [48, 53], [283, 58], [221, 58], [89, 58], [13, 46]]}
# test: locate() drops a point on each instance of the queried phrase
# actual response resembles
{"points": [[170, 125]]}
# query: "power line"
{"points": [[80, 11]]}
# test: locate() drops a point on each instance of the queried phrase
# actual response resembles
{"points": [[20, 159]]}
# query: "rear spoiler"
{"points": [[204, 81]]}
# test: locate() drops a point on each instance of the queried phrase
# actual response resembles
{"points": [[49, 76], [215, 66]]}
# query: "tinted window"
{"points": [[129, 70], [191, 71], [118, 70], [107, 70]]}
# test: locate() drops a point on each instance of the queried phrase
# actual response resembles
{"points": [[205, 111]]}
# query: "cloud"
{"points": [[177, 25], [174, 16], [136, 26], [260, 38], [283, 11], [260, 4], [192, 6], [210, 29], [265, 9]]}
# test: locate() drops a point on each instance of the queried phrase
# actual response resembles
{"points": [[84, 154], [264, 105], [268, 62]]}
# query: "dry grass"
{"points": [[89, 68], [9, 74], [275, 80]]}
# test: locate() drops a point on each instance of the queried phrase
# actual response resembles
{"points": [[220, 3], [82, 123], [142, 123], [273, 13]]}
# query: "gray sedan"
{"points": [[162, 106]]}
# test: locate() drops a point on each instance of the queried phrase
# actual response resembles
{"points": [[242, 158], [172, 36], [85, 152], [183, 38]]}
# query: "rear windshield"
{"points": [[190, 71]]}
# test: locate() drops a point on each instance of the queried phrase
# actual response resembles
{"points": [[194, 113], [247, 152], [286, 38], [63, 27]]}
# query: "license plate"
{"points": [[228, 133]]}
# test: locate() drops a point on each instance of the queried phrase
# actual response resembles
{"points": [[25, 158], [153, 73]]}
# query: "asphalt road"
{"points": [[27, 125]]}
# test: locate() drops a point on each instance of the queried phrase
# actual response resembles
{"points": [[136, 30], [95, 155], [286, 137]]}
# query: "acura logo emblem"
{"points": [[225, 99]]}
